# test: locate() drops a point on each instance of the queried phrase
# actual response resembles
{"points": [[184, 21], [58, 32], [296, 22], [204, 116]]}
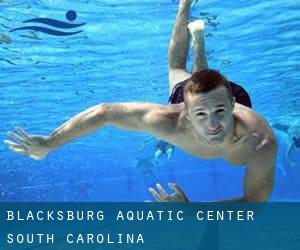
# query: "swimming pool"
{"points": [[121, 55]]}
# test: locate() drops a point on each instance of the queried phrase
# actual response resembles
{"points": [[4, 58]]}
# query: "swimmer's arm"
{"points": [[259, 177], [143, 117], [258, 180]]}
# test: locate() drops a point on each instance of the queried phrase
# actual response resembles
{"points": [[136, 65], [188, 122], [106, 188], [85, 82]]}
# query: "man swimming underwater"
{"points": [[208, 118]]}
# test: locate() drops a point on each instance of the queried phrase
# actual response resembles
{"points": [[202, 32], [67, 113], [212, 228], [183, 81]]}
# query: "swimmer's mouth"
{"points": [[215, 132]]}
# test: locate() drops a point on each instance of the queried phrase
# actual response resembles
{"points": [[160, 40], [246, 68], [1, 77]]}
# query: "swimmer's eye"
{"points": [[201, 114], [220, 111]]}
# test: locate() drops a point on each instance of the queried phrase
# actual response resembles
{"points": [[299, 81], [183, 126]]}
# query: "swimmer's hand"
{"points": [[35, 146], [163, 196]]}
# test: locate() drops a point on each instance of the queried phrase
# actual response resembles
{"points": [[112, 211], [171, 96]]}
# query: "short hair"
{"points": [[205, 81]]}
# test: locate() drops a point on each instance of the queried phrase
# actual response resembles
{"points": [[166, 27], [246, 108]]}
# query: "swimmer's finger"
{"points": [[15, 147], [18, 150], [9, 143], [23, 133], [162, 192], [35, 157], [177, 189], [16, 137], [154, 194], [12, 144]]}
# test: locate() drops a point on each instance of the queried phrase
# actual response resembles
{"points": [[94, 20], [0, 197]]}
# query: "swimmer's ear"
{"points": [[233, 102]]}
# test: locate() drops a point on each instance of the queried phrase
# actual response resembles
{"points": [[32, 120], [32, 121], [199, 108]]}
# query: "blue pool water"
{"points": [[121, 55]]}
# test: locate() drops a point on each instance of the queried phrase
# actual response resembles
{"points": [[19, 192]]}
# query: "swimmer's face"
{"points": [[210, 114]]}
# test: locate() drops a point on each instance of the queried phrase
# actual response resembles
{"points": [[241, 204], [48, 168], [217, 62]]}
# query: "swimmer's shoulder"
{"points": [[176, 114], [252, 125], [170, 116]]}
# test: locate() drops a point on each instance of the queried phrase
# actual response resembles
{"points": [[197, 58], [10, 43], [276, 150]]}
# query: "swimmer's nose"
{"points": [[213, 124]]}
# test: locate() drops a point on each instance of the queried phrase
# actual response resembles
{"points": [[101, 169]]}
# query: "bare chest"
{"points": [[235, 153], [238, 153]]}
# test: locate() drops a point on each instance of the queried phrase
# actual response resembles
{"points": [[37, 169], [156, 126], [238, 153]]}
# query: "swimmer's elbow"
{"points": [[95, 116], [128, 116], [105, 113]]}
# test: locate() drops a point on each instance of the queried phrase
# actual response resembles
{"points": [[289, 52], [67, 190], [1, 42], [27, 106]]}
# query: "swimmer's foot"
{"points": [[186, 3], [196, 29], [191, 3]]}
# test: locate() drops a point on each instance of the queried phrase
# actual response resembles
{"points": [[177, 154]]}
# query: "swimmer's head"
{"points": [[209, 103], [296, 141]]}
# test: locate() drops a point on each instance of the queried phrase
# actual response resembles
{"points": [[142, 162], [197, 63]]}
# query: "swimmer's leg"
{"points": [[196, 29], [179, 46]]}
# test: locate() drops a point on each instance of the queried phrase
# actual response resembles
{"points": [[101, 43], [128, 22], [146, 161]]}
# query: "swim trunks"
{"points": [[240, 94]]}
